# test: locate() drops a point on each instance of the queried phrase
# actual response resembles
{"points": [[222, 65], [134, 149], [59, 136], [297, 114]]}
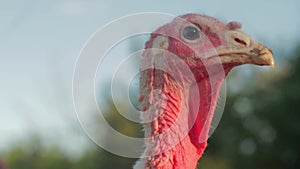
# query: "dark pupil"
{"points": [[191, 33]]}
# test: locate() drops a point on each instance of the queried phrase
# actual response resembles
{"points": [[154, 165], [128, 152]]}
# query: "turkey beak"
{"points": [[243, 50], [261, 55]]}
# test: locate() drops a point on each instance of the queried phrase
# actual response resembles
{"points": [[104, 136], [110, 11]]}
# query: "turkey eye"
{"points": [[191, 33]]}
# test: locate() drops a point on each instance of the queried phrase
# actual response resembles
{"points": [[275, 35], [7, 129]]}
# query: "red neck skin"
{"points": [[180, 124]]}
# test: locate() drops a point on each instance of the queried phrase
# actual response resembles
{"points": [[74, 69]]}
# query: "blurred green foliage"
{"points": [[259, 129]]}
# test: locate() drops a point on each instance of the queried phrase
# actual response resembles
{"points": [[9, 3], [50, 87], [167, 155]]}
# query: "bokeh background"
{"points": [[39, 44]]}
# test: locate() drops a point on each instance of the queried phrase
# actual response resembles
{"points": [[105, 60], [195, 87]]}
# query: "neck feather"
{"points": [[176, 124]]}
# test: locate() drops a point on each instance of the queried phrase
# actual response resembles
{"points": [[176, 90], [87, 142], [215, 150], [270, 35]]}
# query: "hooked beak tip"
{"points": [[264, 57]]}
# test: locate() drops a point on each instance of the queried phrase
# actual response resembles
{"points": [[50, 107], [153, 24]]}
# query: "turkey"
{"points": [[183, 67]]}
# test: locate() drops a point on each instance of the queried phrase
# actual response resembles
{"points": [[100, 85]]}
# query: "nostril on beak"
{"points": [[240, 41]]}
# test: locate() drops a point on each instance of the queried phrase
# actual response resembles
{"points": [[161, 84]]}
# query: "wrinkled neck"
{"points": [[179, 118], [177, 104]]}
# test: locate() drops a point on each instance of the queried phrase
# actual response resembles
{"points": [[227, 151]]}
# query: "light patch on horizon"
{"points": [[74, 8], [80, 8]]}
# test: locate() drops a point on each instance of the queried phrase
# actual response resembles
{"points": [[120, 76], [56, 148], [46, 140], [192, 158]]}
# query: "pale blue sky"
{"points": [[40, 40]]}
